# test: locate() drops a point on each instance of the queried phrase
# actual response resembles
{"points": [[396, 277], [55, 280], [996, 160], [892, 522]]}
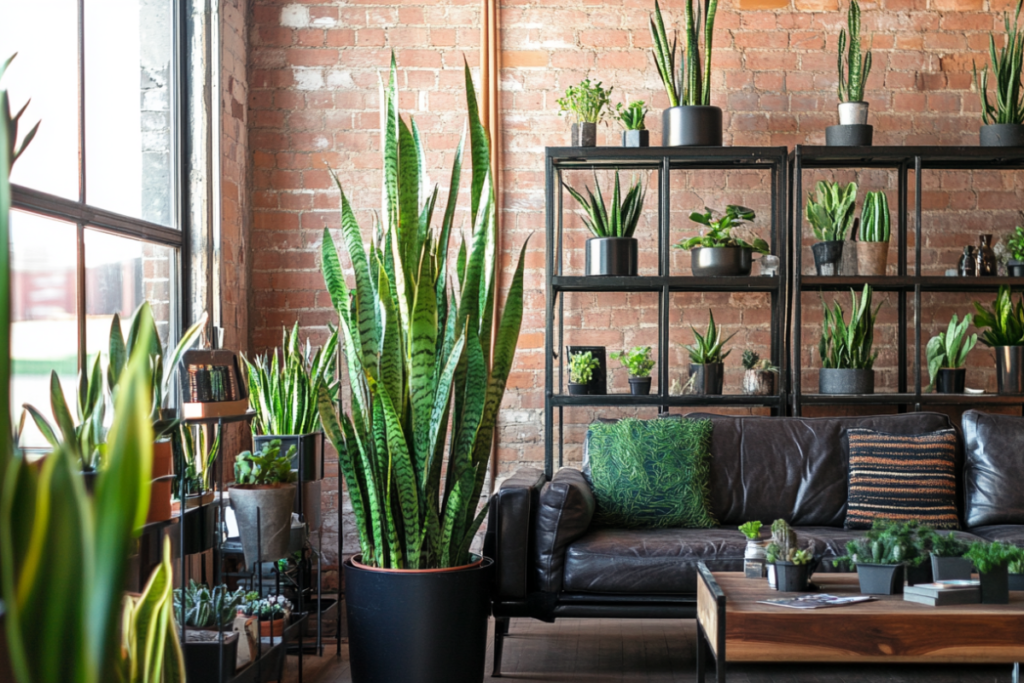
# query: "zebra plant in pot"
{"points": [[1003, 120], [830, 211], [613, 249], [846, 347], [873, 245], [853, 129], [420, 363]]}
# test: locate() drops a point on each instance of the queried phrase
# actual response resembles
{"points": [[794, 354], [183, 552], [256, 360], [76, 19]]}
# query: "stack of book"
{"points": [[964, 592]]}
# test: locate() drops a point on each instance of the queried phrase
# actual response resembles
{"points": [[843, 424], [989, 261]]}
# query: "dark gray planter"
{"points": [[880, 579], [951, 381], [598, 384], [1016, 582], [307, 447], [791, 578], [855, 135], [827, 256], [584, 135], [691, 126], [1009, 369], [708, 379], [636, 138], [204, 662], [995, 586], [719, 261], [275, 504], [576, 389], [611, 256], [833, 381], [951, 568], [1015, 268], [922, 573], [1002, 135], [639, 386]]}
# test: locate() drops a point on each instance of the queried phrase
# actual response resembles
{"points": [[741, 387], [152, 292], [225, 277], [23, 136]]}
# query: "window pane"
{"points": [[44, 331], [44, 33], [128, 107]]}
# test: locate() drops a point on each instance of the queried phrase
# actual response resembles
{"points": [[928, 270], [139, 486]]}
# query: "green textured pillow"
{"points": [[650, 473]]}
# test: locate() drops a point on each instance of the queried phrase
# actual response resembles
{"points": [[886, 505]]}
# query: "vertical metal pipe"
{"points": [[901, 332], [549, 337], [664, 270], [798, 253], [917, 288]]}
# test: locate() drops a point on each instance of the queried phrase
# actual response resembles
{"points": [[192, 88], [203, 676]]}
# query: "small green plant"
{"points": [[830, 210], [266, 467], [948, 545], [719, 233], [1003, 322], [268, 608], [707, 348], [618, 221], [751, 530], [783, 546], [205, 607], [889, 543], [632, 115], [582, 366], [586, 102], [848, 345], [1015, 243], [874, 218], [988, 557], [853, 78], [1016, 565], [1007, 66], [752, 361], [689, 87], [948, 350], [637, 360], [194, 461]]}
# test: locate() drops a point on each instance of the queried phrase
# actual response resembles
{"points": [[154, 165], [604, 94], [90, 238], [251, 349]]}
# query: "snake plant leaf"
{"points": [[117, 352], [62, 415], [479, 149], [391, 364], [408, 197], [400, 460], [5, 285], [422, 345], [43, 425], [469, 305], [454, 183], [366, 320], [460, 264], [333, 430], [150, 639], [334, 277], [709, 33], [385, 477]]}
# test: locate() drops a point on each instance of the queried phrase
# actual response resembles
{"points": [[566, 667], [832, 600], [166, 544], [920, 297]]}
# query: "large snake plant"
{"points": [[691, 85], [1007, 65], [419, 359], [848, 345]]}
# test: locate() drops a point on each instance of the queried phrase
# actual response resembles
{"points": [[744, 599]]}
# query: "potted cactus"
{"points": [[581, 370], [992, 562], [758, 375], [853, 129], [883, 555], [586, 103], [946, 354], [792, 564], [639, 363], [1004, 120], [830, 212], [948, 561], [272, 612], [613, 249], [716, 251], [846, 347], [1003, 325], [873, 247], [707, 356], [632, 116]]}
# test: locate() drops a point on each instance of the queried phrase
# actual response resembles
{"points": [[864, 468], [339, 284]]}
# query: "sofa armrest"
{"points": [[566, 509], [509, 522]]}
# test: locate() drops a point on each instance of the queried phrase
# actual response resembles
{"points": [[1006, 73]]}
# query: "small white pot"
{"points": [[755, 550], [853, 113]]}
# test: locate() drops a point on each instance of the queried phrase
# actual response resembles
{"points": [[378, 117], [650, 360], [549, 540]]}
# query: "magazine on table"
{"points": [[817, 601]]}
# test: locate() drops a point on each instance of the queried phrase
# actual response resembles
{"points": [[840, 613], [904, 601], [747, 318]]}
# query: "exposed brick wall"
{"points": [[313, 104]]}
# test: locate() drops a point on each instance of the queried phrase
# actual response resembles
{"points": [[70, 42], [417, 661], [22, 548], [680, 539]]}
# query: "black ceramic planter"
{"points": [[791, 578], [639, 386], [995, 586], [1002, 135], [708, 378], [598, 384], [827, 256], [1009, 369], [578, 389], [1015, 269], [880, 579], [838, 381], [951, 381], [854, 135], [1016, 582], [611, 256], [695, 126], [922, 573], [428, 627], [200, 534], [307, 447], [203, 659], [951, 568], [719, 261], [584, 135], [636, 138]]}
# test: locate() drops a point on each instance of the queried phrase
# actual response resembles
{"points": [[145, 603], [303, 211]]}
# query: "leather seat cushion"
{"points": [[1005, 533]]}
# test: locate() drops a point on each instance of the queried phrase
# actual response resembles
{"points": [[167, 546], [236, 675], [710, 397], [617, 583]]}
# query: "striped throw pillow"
{"points": [[897, 477]]}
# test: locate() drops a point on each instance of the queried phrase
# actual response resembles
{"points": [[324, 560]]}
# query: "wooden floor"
{"points": [[649, 651]]}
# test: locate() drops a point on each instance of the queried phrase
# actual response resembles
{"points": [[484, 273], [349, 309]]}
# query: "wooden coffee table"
{"points": [[733, 627]]}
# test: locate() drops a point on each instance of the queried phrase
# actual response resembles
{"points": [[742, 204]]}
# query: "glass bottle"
{"points": [[986, 258], [967, 266]]}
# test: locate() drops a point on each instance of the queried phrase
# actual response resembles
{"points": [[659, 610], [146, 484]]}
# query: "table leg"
{"points": [[701, 656], [1016, 672]]}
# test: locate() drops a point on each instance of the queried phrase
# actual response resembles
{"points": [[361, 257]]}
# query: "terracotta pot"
{"points": [[162, 480], [872, 258], [272, 629]]}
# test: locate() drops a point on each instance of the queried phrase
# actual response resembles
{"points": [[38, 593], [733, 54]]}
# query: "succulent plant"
{"points": [[205, 607]]}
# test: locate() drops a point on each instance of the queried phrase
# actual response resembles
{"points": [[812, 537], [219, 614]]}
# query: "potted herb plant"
{"points": [[264, 490], [416, 578], [1004, 120], [1003, 325], [846, 347], [792, 564], [1015, 247], [882, 555], [581, 369], [273, 613], [946, 354], [831, 215], [948, 562], [613, 249], [586, 104], [758, 375], [690, 118], [716, 251], [632, 116], [707, 356], [992, 562], [853, 129], [639, 363], [873, 247]]}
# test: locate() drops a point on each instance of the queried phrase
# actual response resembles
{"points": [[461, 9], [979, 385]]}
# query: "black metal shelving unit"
{"points": [[663, 161], [908, 287]]}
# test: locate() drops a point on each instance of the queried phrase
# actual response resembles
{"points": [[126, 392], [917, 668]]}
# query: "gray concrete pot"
{"points": [[834, 381], [584, 134], [275, 503], [857, 135], [951, 568], [636, 138]]}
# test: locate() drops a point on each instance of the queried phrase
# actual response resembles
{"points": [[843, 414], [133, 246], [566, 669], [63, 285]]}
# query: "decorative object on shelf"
{"points": [[213, 384], [985, 260], [613, 249], [948, 561], [769, 265], [873, 247], [707, 356], [992, 560], [581, 371], [830, 211], [792, 563], [759, 375], [853, 129], [598, 384], [586, 104], [846, 348], [273, 612], [639, 363], [690, 118], [1015, 248], [205, 607], [754, 556], [968, 264], [882, 556], [264, 489], [946, 354], [1003, 325], [1003, 120], [632, 118], [716, 251]]}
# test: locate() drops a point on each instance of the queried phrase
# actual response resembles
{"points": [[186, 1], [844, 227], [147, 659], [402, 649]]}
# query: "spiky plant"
{"points": [[691, 86], [830, 211], [619, 220], [855, 75], [875, 221], [848, 345], [632, 116], [1004, 320], [708, 348], [753, 361], [949, 349], [988, 557], [1007, 65], [888, 542], [419, 359]]}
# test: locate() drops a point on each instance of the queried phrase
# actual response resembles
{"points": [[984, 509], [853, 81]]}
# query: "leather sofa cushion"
{"points": [[993, 469], [1004, 533], [564, 512], [794, 468]]}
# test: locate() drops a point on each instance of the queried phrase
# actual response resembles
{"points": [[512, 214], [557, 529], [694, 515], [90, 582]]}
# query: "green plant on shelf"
{"points": [[689, 86], [1007, 65], [753, 361], [848, 345], [194, 462], [874, 218], [752, 530], [708, 348], [719, 226], [582, 366], [888, 542], [855, 74], [1016, 565], [830, 210], [948, 545], [637, 360], [585, 102], [265, 467], [632, 115], [618, 221], [1015, 243], [948, 350], [206, 607], [268, 608], [988, 557], [1003, 322]]}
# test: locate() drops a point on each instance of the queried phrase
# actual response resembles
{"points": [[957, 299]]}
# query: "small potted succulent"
{"points": [[846, 347], [264, 489], [272, 611], [1016, 571], [873, 247], [792, 564], [631, 116], [759, 375], [992, 562], [830, 211], [754, 554], [1003, 325], [948, 561], [1015, 248], [581, 369], [639, 363], [716, 251], [853, 129], [946, 354], [201, 607], [586, 104], [707, 356], [613, 249], [1004, 120], [881, 557]]}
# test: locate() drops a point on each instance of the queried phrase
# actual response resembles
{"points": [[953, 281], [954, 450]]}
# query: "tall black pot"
{"points": [[423, 626], [827, 256], [611, 256], [995, 586], [686, 126], [708, 378], [951, 381], [1010, 369]]}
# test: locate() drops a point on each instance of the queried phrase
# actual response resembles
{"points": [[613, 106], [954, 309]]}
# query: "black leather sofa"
{"points": [[551, 563]]}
